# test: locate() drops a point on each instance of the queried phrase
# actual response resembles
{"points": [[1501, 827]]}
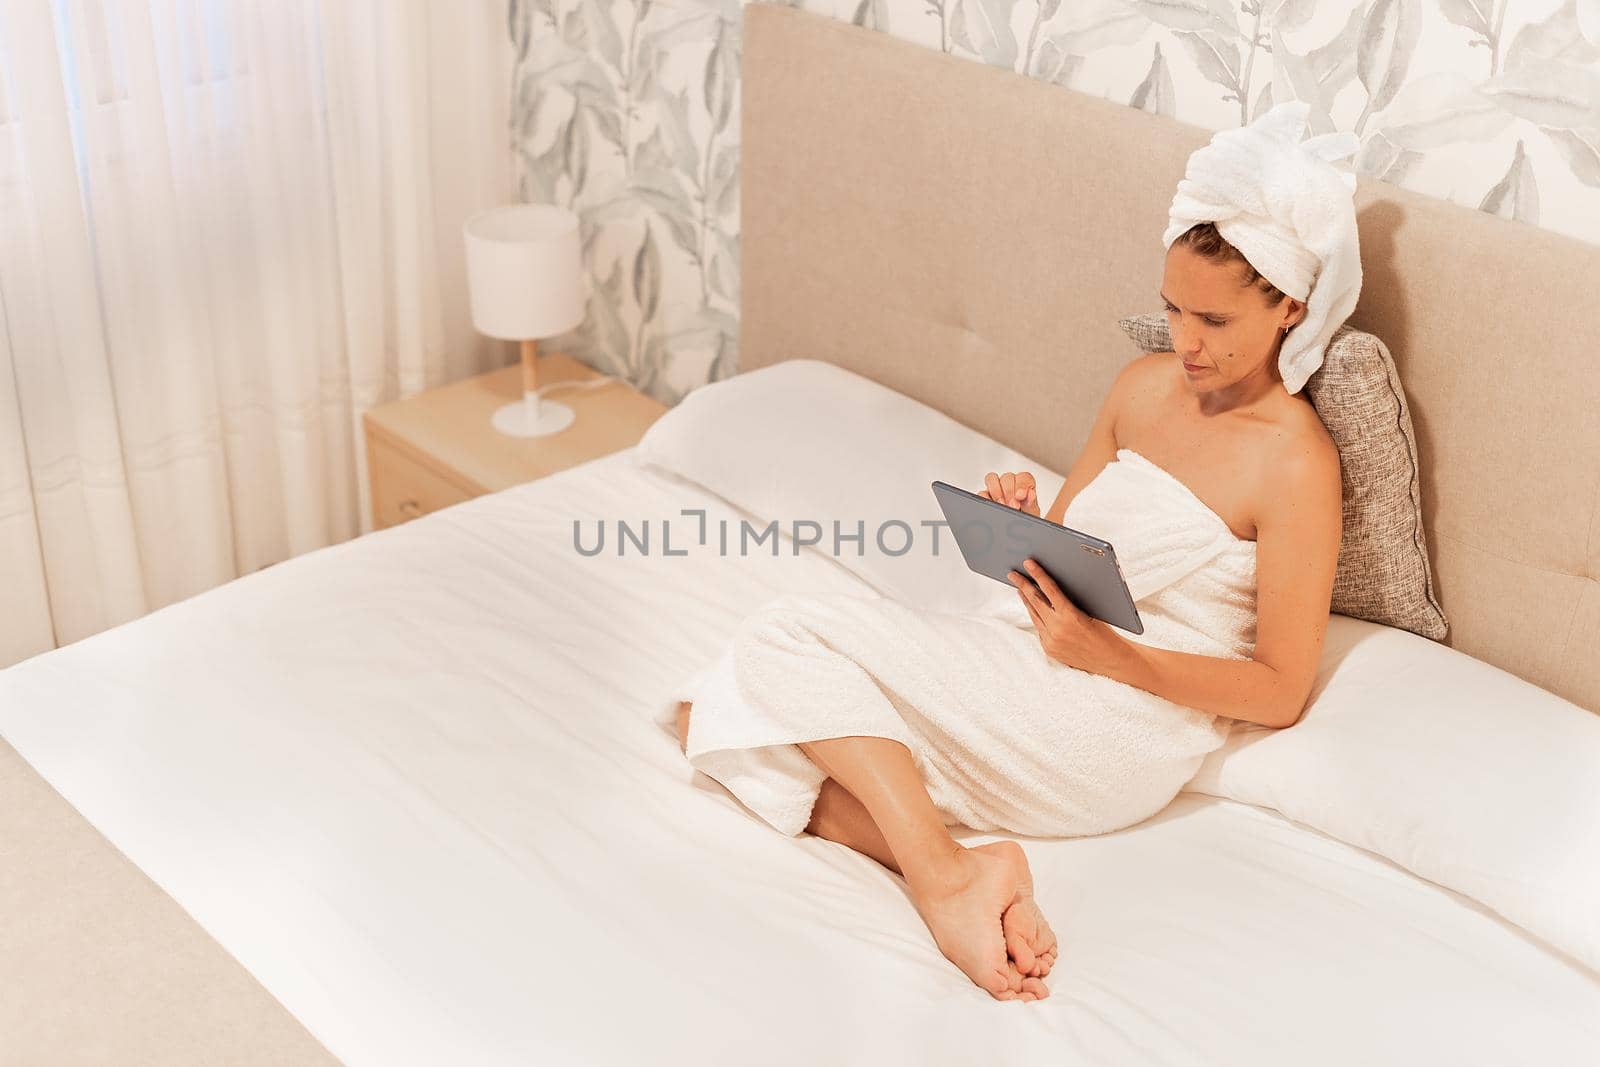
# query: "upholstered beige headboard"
{"points": [[969, 237]]}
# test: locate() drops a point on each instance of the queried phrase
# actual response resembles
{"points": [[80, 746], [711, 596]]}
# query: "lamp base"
{"points": [[532, 418]]}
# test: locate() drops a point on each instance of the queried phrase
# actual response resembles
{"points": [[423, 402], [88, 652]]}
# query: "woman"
{"points": [[1223, 491]]}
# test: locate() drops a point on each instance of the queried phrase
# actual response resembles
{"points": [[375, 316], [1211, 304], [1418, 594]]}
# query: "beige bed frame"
{"points": [[955, 231]]}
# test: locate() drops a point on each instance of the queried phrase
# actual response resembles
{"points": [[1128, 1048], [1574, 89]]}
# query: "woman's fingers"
{"points": [[1008, 486], [1030, 598], [992, 490], [1024, 490], [1047, 585], [1014, 489]]}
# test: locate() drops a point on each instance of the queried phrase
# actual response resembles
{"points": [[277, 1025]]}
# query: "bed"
{"points": [[401, 800]]}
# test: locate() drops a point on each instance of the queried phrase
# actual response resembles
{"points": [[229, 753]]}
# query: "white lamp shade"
{"points": [[524, 271]]}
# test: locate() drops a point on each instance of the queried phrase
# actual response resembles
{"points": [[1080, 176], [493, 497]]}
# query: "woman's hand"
{"points": [[1013, 490], [1068, 635]]}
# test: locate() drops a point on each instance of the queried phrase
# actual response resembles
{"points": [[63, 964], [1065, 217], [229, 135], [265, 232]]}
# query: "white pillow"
{"points": [[1458, 771], [804, 440]]}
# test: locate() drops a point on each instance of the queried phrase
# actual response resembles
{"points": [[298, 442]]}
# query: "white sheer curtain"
{"points": [[227, 227]]}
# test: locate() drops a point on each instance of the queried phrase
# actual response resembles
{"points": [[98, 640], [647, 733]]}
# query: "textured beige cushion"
{"points": [[1383, 573]]}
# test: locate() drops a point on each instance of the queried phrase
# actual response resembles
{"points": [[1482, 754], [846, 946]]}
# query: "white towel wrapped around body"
{"points": [[1005, 738]]}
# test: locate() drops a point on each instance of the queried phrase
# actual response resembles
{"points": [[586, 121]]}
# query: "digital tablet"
{"points": [[995, 539]]}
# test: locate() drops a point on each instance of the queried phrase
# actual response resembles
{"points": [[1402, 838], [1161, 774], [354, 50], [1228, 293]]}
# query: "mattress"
{"points": [[411, 784]]}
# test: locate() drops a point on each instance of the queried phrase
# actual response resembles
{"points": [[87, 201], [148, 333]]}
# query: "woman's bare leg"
{"points": [[839, 816], [883, 778], [836, 816], [962, 894]]}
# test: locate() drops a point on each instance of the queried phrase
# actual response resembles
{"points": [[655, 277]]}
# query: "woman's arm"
{"points": [[1246, 689], [1297, 552]]}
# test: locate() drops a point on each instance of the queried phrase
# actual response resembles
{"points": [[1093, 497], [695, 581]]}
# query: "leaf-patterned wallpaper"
{"points": [[627, 111]]}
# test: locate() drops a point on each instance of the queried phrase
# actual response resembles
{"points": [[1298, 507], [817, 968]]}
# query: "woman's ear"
{"points": [[1297, 311]]}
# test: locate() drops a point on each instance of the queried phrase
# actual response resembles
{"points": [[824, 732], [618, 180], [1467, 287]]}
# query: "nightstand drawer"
{"points": [[403, 489], [439, 447]]}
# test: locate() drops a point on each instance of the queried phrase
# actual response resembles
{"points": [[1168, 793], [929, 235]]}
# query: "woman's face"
{"points": [[1224, 331]]}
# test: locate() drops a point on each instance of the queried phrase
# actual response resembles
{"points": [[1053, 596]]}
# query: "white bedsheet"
{"points": [[411, 784]]}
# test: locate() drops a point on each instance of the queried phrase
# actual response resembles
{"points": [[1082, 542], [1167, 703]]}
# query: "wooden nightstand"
{"points": [[437, 448]]}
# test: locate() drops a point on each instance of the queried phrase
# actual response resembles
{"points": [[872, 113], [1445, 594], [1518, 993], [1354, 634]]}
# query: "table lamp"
{"points": [[525, 275]]}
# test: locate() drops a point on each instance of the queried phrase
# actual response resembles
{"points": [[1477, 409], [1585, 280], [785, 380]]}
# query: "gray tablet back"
{"points": [[995, 539]]}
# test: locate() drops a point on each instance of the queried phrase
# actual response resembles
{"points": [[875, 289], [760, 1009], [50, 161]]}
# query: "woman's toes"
{"points": [[1048, 947], [1043, 943], [1021, 986], [1031, 987], [1017, 942], [1003, 983], [1028, 936]]}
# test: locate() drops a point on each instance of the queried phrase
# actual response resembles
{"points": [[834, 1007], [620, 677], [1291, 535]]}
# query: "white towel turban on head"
{"points": [[1281, 202]]}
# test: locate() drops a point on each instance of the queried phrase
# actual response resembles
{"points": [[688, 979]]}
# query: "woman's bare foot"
{"points": [[1030, 942], [963, 906]]}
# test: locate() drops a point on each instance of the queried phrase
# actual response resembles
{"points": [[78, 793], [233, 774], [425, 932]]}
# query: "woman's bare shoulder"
{"points": [[1299, 430], [1147, 381], [1297, 455], [1152, 366]]}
